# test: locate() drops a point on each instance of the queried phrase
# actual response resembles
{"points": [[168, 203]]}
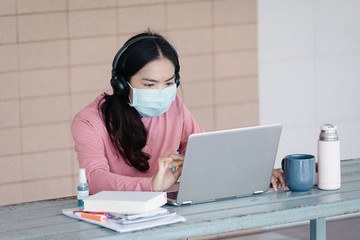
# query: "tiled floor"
{"points": [[340, 229], [344, 229]]}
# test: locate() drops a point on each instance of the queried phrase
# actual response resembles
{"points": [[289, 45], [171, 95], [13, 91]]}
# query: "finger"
{"points": [[283, 183], [274, 186], [177, 163], [165, 160], [274, 183], [279, 175], [165, 163], [281, 180], [176, 156], [178, 172]]}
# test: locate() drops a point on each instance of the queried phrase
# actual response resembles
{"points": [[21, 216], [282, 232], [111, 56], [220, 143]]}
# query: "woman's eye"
{"points": [[148, 85], [170, 83]]}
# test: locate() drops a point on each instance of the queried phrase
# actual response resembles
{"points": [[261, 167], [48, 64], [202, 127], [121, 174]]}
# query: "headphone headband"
{"points": [[126, 46], [120, 81]]}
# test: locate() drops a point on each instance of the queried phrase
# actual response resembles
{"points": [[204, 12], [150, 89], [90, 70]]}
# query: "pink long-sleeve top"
{"points": [[105, 169]]}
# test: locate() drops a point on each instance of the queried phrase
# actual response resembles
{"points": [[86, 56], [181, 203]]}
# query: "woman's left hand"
{"points": [[278, 180]]}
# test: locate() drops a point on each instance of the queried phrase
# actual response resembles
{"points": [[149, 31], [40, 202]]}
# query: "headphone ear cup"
{"points": [[113, 82], [177, 78], [119, 83], [123, 86]]}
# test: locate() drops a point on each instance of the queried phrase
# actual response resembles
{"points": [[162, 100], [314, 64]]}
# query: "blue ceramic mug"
{"points": [[299, 170]]}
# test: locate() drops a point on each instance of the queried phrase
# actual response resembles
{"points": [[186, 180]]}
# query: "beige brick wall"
{"points": [[55, 57]]}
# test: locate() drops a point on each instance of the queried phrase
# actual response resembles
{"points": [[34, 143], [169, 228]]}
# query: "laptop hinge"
{"points": [[187, 202], [258, 192]]}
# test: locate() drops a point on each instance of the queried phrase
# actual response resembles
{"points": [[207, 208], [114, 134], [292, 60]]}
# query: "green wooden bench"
{"points": [[44, 220]]}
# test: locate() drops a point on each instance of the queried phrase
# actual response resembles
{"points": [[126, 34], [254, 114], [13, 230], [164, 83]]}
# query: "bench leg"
{"points": [[318, 229]]}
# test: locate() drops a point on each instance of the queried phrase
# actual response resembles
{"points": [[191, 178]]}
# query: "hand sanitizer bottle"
{"points": [[82, 188], [329, 172]]}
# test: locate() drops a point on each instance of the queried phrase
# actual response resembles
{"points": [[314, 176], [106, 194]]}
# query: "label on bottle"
{"points": [[82, 192]]}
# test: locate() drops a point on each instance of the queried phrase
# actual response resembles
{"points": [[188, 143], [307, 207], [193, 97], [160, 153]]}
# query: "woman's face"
{"points": [[157, 74]]}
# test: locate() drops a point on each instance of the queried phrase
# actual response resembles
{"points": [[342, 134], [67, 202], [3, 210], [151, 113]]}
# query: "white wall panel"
{"points": [[309, 71]]}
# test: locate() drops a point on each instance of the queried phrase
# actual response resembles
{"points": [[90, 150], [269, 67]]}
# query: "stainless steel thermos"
{"points": [[329, 171]]}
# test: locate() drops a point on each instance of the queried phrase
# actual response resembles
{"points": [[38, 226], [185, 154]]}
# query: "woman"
{"points": [[128, 141]]}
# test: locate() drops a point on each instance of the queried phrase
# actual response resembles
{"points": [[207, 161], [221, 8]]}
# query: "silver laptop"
{"points": [[227, 164]]}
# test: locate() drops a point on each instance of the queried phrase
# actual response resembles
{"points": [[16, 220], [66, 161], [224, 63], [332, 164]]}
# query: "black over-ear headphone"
{"points": [[117, 78]]}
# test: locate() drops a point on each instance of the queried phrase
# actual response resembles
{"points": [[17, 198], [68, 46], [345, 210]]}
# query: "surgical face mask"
{"points": [[153, 102]]}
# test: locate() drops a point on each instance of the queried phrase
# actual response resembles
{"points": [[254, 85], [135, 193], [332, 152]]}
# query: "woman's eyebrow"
{"points": [[156, 81], [170, 78]]}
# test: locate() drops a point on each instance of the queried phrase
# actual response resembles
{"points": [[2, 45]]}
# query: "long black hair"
{"points": [[123, 123]]}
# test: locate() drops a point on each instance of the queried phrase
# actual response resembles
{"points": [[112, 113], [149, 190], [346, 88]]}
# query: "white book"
{"points": [[124, 201]]}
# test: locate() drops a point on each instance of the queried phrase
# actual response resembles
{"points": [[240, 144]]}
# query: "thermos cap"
{"points": [[328, 132], [329, 128]]}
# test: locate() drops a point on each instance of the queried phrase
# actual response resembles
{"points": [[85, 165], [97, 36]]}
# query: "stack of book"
{"points": [[126, 211]]}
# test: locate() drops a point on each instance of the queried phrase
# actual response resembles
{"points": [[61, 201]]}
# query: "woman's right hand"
{"points": [[164, 177]]}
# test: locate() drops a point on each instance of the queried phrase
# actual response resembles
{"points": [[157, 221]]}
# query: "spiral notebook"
{"points": [[121, 226]]}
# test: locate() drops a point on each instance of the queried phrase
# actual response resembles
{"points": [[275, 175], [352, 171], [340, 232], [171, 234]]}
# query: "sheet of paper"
{"points": [[112, 224]]}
